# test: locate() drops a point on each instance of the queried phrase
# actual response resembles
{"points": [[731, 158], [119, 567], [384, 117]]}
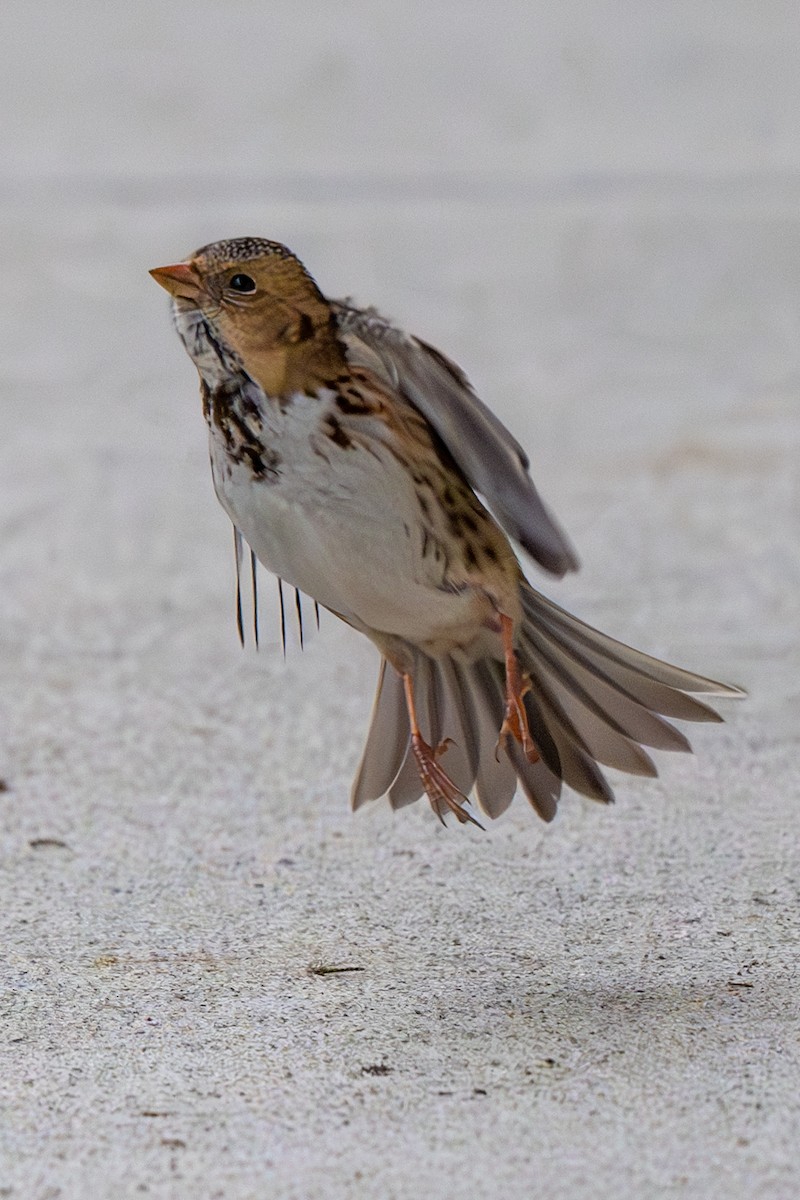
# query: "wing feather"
{"points": [[492, 460]]}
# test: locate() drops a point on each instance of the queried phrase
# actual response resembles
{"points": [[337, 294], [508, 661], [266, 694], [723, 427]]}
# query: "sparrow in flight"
{"points": [[361, 468]]}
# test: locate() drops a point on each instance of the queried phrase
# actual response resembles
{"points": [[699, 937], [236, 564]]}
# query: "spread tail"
{"points": [[592, 701]]}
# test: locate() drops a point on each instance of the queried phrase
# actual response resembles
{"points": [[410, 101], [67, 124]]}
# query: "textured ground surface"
{"points": [[597, 213]]}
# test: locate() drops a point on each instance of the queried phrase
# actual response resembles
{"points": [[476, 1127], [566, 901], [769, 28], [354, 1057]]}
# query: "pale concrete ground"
{"points": [[594, 208]]}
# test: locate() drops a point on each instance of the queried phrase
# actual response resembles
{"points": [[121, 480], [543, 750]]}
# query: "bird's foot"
{"points": [[441, 791], [515, 724]]}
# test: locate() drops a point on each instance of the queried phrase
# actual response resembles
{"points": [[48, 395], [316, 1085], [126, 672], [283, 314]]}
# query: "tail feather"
{"points": [[541, 787], [577, 767], [592, 700], [387, 742], [456, 724], [606, 739], [600, 739], [616, 708], [630, 682], [407, 787], [542, 611], [496, 779]]}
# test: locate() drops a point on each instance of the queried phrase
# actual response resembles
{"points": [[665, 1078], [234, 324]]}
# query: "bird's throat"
{"points": [[286, 367]]}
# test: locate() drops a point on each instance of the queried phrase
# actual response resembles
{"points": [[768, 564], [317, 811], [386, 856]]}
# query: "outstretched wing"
{"points": [[493, 462]]}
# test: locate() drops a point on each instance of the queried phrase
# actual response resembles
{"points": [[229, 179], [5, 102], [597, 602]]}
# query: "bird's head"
{"points": [[250, 302]]}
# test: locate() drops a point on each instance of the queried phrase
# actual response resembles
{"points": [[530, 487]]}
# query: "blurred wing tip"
{"points": [[556, 562], [569, 562]]}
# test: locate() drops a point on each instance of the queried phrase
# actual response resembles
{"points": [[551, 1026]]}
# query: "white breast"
{"points": [[340, 523]]}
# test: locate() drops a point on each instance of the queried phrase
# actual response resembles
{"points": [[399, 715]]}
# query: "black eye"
{"points": [[242, 283]]}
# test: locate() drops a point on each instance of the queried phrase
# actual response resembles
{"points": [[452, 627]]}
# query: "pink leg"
{"points": [[515, 721]]}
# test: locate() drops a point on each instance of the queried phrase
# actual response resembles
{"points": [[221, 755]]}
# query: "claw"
{"points": [[443, 746], [441, 790]]}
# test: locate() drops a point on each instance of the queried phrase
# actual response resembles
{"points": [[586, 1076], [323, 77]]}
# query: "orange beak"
{"points": [[179, 280]]}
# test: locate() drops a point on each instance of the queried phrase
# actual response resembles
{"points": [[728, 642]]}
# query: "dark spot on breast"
{"points": [[469, 522], [233, 413], [245, 432], [352, 403], [470, 558], [490, 553], [261, 464], [337, 435], [247, 406]]}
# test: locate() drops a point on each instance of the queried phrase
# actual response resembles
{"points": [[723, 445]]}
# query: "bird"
{"points": [[360, 466]]}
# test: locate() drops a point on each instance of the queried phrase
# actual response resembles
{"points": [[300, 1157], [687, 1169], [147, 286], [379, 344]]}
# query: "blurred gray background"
{"points": [[594, 208]]}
